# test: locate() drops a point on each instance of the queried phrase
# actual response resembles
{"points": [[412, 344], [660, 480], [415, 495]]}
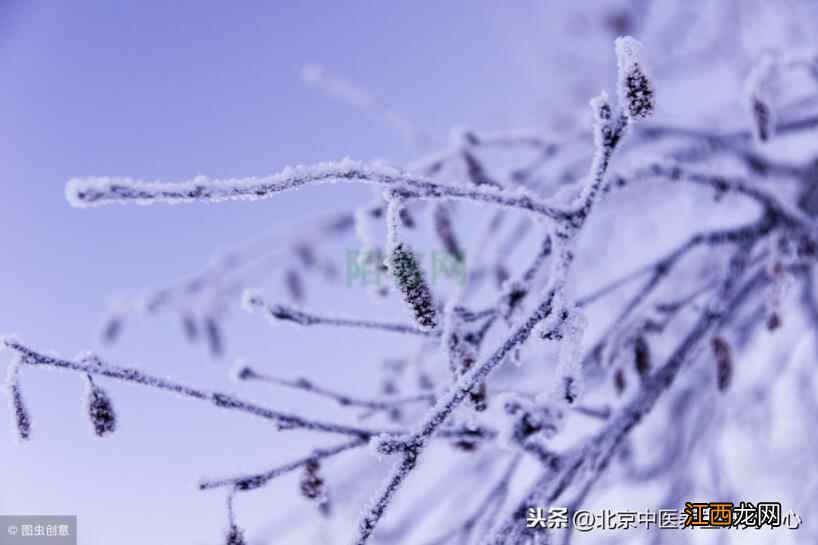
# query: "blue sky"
{"points": [[170, 90]]}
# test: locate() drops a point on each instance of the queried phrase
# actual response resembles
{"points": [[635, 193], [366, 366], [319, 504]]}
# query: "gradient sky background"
{"points": [[169, 90]]}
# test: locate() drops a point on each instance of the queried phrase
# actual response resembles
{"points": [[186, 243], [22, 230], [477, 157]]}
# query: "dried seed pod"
{"points": [[22, 421], [636, 92], [413, 287], [724, 362], [641, 356], [100, 410]]}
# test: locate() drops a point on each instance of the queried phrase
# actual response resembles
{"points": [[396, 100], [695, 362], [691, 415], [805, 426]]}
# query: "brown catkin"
{"points": [[639, 94], [312, 485], [445, 232], [112, 329], [636, 91], [413, 287], [295, 285], [100, 410], [214, 336], [189, 326], [762, 119], [724, 362], [619, 381], [641, 356]]}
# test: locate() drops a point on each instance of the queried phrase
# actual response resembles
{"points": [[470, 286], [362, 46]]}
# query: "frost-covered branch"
{"points": [[593, 458], [636, 101], [251, 482], [84, 192], [283, 421], [245, 372], [255, 302]]}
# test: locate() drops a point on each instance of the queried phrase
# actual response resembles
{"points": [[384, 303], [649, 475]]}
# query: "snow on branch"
{"points": [[245, 372], [253, 302], [86, 192], [30, 357], [635, 89]]}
